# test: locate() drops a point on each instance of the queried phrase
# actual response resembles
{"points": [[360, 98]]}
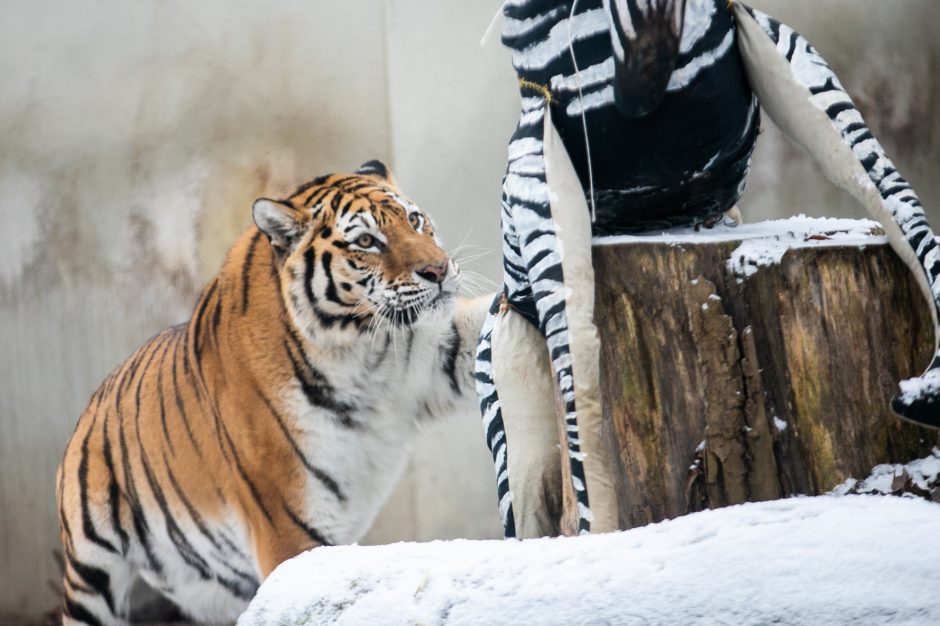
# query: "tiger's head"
{"points": [[351, 252]]}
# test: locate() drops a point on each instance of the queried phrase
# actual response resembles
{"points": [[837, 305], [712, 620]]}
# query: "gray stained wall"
{"points": [[134, 137]]}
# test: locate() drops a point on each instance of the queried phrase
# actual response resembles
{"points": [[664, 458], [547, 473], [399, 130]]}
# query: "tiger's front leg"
{"points": [[98, 573], [274, 544], [97, 583]]}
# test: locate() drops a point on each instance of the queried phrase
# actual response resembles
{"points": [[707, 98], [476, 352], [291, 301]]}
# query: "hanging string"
{"points": [[587, 145], [492, 25]]}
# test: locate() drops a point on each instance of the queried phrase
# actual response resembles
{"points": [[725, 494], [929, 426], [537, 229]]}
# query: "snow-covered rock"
{"points": [[920, 478], [825, 560]]}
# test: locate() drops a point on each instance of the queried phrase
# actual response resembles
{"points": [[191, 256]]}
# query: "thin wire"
{"points": [[489, 29], [587, 144]]}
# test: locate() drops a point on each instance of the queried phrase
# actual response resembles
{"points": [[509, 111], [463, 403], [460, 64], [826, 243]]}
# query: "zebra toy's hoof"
{"points": [[919, 400]]}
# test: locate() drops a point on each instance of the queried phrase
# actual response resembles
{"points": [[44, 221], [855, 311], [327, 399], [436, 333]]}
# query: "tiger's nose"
{"points": [[433, 272]]}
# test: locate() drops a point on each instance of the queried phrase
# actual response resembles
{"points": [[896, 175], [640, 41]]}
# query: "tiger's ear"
{"points": [[283, 224], [378, 169]]}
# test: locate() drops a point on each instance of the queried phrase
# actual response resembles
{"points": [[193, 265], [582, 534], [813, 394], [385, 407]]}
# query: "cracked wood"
{"points": [[785, 376]]}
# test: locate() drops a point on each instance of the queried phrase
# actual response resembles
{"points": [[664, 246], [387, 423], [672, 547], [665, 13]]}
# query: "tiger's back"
{"points": [[146, 476], [278, 417]]}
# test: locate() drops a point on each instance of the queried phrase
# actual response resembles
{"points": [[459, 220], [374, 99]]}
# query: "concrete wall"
{"points": [[887, 55], [134, 136]]}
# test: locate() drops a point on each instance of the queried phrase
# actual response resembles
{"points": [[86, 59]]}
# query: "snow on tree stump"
{"points": [[753, 363]]}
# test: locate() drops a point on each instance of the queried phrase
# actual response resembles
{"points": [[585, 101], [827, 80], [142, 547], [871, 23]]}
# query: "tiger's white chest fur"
{"points": [[394, 382]]}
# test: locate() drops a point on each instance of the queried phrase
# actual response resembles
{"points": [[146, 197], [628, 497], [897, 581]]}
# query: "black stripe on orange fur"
{"points": [[246, 269], [311, 532], [325, 479]]}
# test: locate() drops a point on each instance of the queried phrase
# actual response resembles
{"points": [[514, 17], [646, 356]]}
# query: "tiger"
{"points": [[280, 416]]}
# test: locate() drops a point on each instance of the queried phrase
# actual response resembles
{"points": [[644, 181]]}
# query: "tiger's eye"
{"points": [[415, 220], [365, 240]]}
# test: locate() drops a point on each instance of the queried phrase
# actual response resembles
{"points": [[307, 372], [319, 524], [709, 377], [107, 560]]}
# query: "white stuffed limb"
{"points": [[547, 236], [803, 96]]}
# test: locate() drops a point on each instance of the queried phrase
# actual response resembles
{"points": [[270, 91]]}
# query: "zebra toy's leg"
{"points": [[493, 428], [805, 99], [522, 373], [550, 216], [517, 401], [579, 375]]}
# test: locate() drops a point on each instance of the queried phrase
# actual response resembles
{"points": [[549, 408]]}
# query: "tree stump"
{"points": [[753, 363]]}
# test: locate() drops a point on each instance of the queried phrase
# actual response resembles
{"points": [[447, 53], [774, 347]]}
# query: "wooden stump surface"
{"points": [[721, 389]]}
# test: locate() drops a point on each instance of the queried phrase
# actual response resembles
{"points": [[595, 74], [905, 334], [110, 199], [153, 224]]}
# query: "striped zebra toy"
{"points": [[640, 114]]}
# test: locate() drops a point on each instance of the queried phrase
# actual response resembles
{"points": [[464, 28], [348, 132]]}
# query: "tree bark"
{"points": [[721, 389]]}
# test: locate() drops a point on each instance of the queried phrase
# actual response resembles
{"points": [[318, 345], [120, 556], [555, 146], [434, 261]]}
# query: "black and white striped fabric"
{"points": [[642, 178], [493, 427], [681, 162], [533, 286], [886, 194], [658, 92]]}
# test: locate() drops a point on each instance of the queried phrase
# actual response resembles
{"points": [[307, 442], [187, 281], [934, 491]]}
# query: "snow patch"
{"points": [[917, 478], [915, 389], [780, 424], [863, 230], [750, 256], [824, 560], [802, 232], [764, 243]]}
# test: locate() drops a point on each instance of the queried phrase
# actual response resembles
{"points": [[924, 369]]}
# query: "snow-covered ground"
{"points": [[809, 561]]}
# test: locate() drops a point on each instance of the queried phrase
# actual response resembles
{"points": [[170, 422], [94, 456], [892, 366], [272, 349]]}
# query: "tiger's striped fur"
{"points": [[279, 417]]}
